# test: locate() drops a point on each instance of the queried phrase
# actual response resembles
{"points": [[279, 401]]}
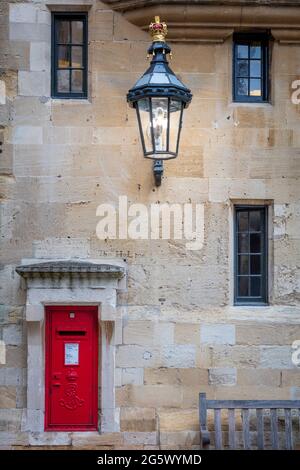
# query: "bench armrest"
{"points": [[204, 434]]}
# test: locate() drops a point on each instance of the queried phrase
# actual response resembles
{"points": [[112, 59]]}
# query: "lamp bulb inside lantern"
{"points": [[159, 127]]}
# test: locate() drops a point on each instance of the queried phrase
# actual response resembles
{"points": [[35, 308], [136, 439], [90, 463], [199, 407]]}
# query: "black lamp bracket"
{"points": [[158, 170]]}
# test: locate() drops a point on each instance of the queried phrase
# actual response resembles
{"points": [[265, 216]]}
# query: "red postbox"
{"points": [[71, 368]]}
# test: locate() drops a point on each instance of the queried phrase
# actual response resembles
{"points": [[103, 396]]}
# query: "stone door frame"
{"points": [[71, 283]]}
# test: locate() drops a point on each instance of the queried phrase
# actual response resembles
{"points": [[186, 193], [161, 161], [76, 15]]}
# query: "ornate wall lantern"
{"points": [[159, 98]]}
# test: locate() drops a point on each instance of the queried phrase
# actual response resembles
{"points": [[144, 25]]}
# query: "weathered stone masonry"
{"points": [[176, 332]]}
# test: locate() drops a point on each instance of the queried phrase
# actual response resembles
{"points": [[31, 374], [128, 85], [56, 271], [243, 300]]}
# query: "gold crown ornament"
{"points": [[158, 30]]}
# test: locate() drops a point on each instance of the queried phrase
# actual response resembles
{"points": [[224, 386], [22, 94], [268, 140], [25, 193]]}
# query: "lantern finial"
{"points": [[158, 30]]}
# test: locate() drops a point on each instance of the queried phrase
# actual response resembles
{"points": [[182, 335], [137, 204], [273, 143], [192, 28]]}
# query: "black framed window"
{"points": [[250, 286], [250, 68], [69, 55]]}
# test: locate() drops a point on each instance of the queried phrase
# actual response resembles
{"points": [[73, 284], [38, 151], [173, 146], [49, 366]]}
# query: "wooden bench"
{"points": [[272, 406]]}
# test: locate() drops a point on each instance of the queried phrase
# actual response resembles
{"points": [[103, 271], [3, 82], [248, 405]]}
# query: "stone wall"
{"points": [[62, 158]]}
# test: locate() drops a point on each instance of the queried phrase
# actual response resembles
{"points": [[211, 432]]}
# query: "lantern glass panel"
{"points": [[160, 123], [175, 124], [145, 124]]}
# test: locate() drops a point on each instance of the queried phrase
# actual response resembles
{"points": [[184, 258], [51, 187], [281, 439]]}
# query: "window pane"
{"points": [[255, 286], [254, 221], [242, 218], [242, 68], [63, 81], [77, 57], [255, 87], [243, 264], [255, 243], [243, 282], [63, 57], [255, 52], [255, 68], [77, 84], [242, 86], [242, 51], [243, 243], [77, 32], [255, 264], [63, 31]]}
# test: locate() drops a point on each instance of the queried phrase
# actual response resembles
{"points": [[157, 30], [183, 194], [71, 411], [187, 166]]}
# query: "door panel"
{"points": [[71, 368]]}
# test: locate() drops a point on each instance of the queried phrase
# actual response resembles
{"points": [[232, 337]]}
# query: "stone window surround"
{"points": [[36, 80], [79, 282], [70, 6]]}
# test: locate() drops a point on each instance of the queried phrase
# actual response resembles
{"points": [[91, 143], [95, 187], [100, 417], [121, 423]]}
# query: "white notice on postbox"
{"points": [[71, 354]]}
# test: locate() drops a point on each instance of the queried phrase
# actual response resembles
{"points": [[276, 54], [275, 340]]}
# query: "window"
{"points": [[250, 68], [69, 55], [250, 255]]}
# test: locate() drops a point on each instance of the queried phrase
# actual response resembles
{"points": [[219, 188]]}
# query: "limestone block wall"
{"points": [[62, 158]]}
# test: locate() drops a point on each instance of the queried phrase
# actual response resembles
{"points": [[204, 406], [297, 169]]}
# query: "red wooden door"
{"points": [[71, 368]]}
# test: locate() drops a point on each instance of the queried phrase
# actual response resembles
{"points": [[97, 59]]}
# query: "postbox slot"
{"points": [[72, 333]]}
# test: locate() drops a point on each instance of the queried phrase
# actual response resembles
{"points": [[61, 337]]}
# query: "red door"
{"points": [[71, 368]]}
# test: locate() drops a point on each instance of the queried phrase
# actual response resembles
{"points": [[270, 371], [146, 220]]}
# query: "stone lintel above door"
{"points": [[70, 267]]}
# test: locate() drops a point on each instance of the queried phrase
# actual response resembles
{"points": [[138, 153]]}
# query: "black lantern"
{"points": [[159, 98]]}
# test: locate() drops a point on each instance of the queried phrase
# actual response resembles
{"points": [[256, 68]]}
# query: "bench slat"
{"points": [[253, 404], [288, 430], [218, 429], [231, 423], [246, 430], [260, 428], [274, 429]]}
